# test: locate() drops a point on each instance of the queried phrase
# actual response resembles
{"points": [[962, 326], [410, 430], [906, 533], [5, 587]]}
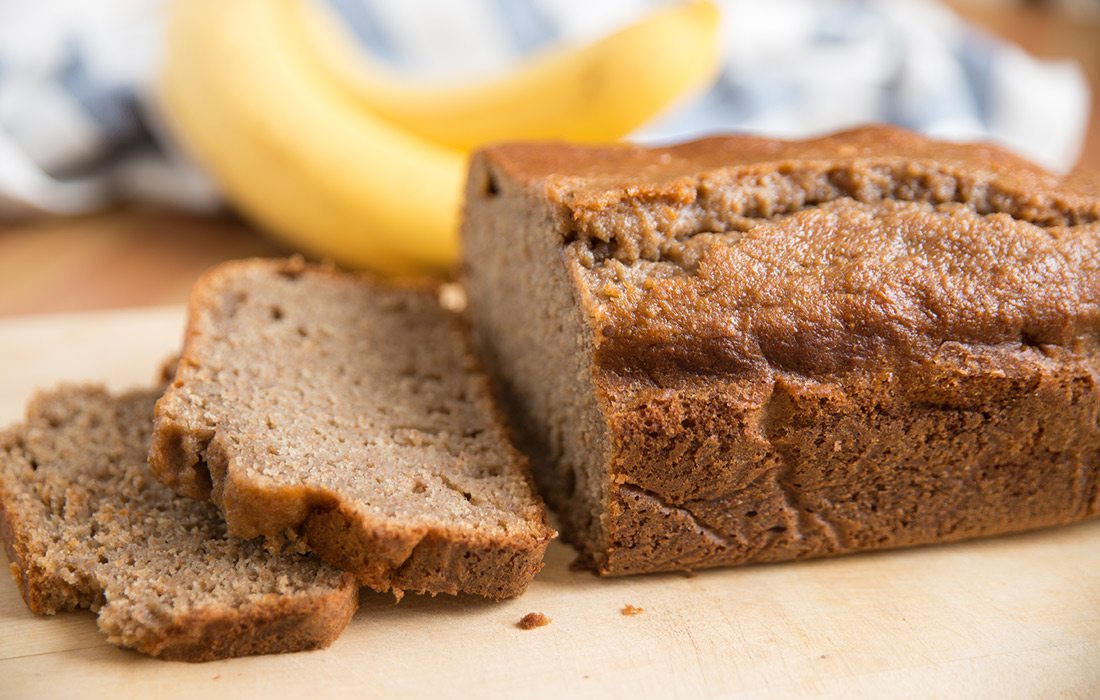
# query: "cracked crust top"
{"points": [[742, 255], [348, 417]]}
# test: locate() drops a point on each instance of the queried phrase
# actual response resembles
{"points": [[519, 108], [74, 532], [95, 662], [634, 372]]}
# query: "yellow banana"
{"points": [[292, 151], [316, 162], [600, 92]]}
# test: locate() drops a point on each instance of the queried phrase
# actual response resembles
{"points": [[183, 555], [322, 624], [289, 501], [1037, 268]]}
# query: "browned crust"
{"points": [[423, 562], [715, 461], [822, 471], [279, 625], [379, 556], [30, 580], [597, 174]]}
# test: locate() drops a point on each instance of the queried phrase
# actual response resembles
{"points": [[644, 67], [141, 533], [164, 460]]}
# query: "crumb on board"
{"points": [[532, 620], [688, 573], [631, 610]]}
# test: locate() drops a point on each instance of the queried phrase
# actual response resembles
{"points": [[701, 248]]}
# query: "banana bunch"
{"points": [[336, 156]]}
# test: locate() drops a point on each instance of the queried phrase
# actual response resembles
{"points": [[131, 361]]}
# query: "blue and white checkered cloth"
{"points": [[77, 131]]}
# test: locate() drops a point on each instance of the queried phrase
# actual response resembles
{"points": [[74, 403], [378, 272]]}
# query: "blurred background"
{"points": [[119, 185]]}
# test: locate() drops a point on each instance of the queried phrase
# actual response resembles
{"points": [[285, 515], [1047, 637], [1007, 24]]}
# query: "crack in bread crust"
{"points": [[647, 226]]}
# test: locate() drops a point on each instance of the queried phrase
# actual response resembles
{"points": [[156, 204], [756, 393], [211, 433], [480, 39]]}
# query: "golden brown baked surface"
{"points": [[784, 349], [348, 417], [85, 525], [596, 176]]}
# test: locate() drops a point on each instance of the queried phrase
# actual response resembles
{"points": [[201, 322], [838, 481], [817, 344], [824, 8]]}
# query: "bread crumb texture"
{"points": [[352, 416], [87, 526], [532, 620]]}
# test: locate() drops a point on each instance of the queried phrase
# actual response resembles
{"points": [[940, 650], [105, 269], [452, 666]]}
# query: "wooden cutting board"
{"points": [[1007, 617]]}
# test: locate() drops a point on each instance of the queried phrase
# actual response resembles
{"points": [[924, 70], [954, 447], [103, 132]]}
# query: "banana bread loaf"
{"points": [[743, 350], [86, 525], [349, 417]]}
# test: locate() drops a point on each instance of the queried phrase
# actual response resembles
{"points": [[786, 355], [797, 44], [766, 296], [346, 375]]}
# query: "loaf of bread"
{"points": [[744, 350], [323, 410], [86, 525]]}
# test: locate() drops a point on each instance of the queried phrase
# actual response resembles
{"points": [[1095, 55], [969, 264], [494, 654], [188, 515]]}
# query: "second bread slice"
{"points": [[329, 411]]}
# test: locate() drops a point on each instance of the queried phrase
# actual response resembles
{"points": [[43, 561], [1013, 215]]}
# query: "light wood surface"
{"points": [[1010, 617], [124, 258]]}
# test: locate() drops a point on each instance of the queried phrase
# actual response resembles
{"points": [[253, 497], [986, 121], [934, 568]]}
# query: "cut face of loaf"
{"points": [[86, 526], [351, 418], [740, 349]]}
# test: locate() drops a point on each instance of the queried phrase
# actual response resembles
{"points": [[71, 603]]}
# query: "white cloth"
{"points": [[77, 132]]}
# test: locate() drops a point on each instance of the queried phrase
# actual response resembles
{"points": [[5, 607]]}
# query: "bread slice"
{"points": [[86, 525], [327, 410], [743, 349]]}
